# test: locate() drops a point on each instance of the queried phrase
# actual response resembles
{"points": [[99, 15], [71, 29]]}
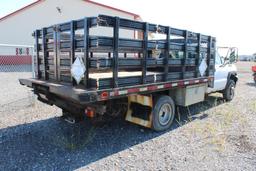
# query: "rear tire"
{"points": [[163, 113], [229, 92]]}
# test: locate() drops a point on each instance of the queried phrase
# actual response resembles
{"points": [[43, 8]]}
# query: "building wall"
{"points": [[17, 29]]}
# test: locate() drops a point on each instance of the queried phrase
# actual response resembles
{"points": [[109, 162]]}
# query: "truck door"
{"points": [[220, 75]]}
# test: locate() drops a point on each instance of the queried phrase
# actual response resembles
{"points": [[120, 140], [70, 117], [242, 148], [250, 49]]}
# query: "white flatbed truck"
{"points": [[92, 76]]}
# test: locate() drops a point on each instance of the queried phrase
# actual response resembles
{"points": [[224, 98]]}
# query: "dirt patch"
{"points": [[242, 143]]}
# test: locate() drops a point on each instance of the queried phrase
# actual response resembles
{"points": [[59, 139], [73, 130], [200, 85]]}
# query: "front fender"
{"points": [[232, 76]]}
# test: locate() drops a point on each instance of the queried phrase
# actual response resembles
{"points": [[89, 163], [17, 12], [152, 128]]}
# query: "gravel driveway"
{"points": [[212, 135], [10, 90]]}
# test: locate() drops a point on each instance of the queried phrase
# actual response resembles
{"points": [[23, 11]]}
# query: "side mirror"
{"points": [[233, 55], [232, 58]]}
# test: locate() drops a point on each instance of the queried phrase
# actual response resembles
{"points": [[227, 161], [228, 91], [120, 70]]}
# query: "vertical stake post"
{"points": [[72, 47], [197, 60], [167, 54], [56, 52], [44, 52], [145, 54], [86, 53], [115, 52], [37, 48], [209, 54], [185, 55]]}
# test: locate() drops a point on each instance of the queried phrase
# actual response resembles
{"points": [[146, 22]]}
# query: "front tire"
{"points": [[229, 92], [163, 113]]}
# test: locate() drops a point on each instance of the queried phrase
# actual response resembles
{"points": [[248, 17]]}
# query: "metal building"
{"points": [[17, 27]]}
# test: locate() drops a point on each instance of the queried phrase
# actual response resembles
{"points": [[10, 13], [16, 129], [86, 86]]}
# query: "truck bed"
{"points": [[115, 64]]}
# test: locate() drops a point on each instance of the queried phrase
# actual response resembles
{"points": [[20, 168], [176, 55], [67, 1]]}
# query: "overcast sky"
{"points": [[232, 22]]}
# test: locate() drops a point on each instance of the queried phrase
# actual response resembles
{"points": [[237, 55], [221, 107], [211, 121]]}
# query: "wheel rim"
{"points": [[165, 114], [232, 91]]}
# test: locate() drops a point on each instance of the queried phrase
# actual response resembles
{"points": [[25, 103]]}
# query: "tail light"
{"points": [[89, 112]]}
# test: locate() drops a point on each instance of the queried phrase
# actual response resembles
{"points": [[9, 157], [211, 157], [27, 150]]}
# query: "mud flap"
{"points": [[140, 110]]}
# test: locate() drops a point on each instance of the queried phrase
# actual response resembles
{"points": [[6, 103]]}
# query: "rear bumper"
{"points": [[70, 93]]}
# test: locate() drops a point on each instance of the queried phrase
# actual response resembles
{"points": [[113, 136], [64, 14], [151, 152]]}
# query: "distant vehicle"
{"points": [[246, 58], [94, 76]]}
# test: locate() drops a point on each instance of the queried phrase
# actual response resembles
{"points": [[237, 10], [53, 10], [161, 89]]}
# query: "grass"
{"points": [[253, 106], [214, 130], [78, 139]]}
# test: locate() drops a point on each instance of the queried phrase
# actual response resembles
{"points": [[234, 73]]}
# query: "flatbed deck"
{"points": [[81, 96]]}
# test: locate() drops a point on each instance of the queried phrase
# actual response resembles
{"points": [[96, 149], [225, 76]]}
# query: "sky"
{"points": [[9, 6], [232, 22]]}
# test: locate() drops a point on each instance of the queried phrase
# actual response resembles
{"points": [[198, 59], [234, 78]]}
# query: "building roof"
{"points": [[88, 1]]}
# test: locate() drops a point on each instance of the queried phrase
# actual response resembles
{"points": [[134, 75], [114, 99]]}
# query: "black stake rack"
{"points": [[180, 53]]}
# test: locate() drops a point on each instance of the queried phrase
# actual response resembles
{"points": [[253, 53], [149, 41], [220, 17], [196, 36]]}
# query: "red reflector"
{"points": [[104, 95], [191, 82], [167, 85], [152, 88], [89, 112], [133, 90], [181, 83]]}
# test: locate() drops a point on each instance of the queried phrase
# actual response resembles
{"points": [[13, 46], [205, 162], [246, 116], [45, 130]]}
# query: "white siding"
{"points": [[18, 28], [15, 50]]}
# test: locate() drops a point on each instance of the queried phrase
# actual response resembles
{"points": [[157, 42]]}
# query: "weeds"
{"points": [[179, 118], [79, 138], [215, 130], [253, 106]]}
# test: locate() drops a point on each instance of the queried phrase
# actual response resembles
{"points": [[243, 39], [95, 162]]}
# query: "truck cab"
{"points": [[225, 76]]}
